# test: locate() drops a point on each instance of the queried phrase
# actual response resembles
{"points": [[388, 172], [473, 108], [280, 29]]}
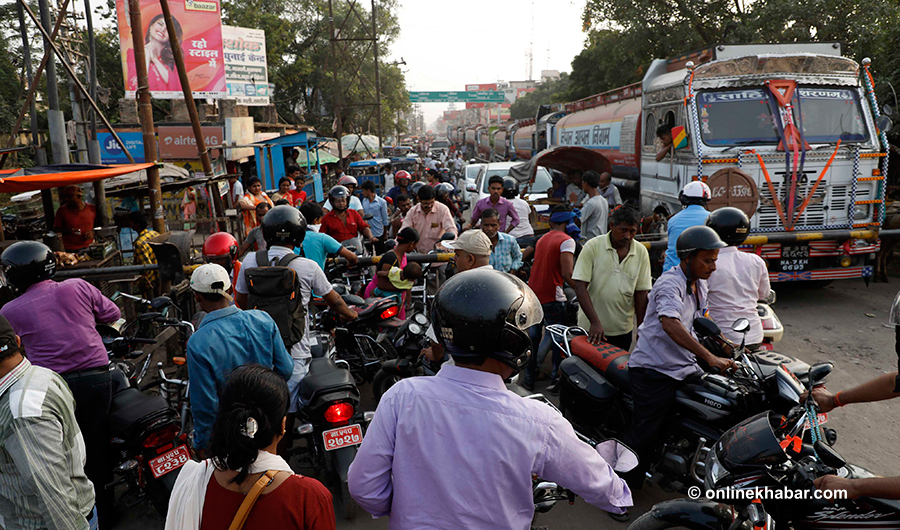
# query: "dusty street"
{"points": [[844, 322]]}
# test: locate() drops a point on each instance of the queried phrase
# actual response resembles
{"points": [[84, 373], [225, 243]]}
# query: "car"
{"points": [[479, 189], [470, 171]]}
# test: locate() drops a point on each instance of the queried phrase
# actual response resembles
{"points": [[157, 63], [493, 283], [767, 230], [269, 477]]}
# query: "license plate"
{"points": [[342, 437], [172, 460], [823, 418]]}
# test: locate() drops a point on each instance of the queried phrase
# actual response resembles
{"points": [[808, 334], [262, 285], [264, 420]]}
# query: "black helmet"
{"points": [[496, 326], [27, 262], [731, 224], [415, 187], [696, 238], [510, 188], [337, 192], [284, 226], [443, 190]]}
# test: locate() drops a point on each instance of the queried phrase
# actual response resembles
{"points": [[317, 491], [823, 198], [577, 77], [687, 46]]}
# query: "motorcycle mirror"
{"points": [[828, 455], [756, 512], [770, 298], [618, 455], [818, 372], [448, 236], [471, 188], [741, 325], [706, 327], [160, 302]]}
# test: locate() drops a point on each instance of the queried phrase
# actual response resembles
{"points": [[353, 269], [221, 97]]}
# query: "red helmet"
{"points": [[389, 200], [220, 244], [401, 175]]}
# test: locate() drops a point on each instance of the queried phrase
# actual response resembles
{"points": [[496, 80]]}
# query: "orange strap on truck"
{"points": [[812, 192], [771, 186]]}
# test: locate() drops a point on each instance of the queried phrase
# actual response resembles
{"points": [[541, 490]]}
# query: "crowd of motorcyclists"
{"points": [[458, 450]]}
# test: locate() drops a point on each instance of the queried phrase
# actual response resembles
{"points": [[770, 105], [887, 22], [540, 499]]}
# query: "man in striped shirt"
{"points": [[42, 455]]}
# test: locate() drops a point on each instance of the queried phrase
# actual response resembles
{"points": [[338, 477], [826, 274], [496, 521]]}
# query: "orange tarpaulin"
{"points": [[43, 181]]}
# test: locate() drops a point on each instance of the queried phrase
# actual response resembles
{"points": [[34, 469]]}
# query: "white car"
{"points": [[470, 171], [479, 189]]}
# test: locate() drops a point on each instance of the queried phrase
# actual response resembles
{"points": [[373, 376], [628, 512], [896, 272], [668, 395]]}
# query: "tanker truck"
{"points": [[787, 133]]}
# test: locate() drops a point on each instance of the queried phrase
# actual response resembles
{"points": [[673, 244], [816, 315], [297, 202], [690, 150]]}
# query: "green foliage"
{"points": [[549, 92]]}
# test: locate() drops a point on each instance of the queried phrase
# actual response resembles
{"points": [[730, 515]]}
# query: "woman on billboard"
{"points": [[161, 72]]}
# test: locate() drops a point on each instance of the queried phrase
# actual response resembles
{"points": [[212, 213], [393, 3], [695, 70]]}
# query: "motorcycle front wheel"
{"points": [[382, 382], [648, 522]]}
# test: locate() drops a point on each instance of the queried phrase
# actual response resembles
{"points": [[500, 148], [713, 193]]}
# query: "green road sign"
{"points": [[472, 96]]}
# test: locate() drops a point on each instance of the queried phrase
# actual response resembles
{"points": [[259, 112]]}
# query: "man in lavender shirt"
{"points": [[504, 207], [458, 450], [57, 325]]}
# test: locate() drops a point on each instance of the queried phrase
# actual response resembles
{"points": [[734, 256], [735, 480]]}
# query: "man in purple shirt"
{"points": [[57, 325], [476, 472], [504, 207]]}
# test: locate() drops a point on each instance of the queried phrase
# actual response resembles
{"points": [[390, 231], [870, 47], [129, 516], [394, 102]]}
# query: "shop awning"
{"points": [[46, 177]]}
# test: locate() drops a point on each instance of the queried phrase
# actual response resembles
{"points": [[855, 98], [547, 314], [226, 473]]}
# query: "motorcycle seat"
{"points": [[610, 361], [324, 376], [375, 306], [130, 407]]}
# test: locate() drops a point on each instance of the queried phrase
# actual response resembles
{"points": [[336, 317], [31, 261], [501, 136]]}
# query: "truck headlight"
{"points": [[860, 212], [715, 472]]}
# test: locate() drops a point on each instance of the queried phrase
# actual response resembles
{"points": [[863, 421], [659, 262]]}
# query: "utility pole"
{"points": [[93, 143], [377, 78], [56, 120], [40, 152], [146, 114], [336, 91]]}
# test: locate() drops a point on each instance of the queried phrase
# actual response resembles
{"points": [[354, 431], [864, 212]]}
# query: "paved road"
{"points": [[844, 323]]}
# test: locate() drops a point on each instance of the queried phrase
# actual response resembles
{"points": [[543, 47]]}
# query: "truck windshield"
{"points": [[744, 117]]}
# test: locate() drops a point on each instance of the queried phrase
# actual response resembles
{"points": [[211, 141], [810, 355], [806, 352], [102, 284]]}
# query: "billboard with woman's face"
{"points": [[199, 29]]}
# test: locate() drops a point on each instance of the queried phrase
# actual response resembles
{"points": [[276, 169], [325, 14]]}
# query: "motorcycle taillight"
{"points": [[339, 413], [162, 437], [390, 312]]}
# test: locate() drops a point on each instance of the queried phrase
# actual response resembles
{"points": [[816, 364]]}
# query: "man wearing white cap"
{"points": [[226, 338], [473, 251]]}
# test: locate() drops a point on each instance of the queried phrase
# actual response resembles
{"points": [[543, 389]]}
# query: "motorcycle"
{"points": [[596, 397], [408, 342], [768, 452], [331, 422]]}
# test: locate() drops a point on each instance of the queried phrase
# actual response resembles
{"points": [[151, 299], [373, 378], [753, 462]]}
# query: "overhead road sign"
{"points": [[484, 96]]}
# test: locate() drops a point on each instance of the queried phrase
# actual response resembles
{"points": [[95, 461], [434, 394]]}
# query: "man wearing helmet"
{"points": [[221, 248], [402, 188], [284, 228], [343, 223], [666, 351], [401, 469], [348, 183], [694, 198], [740, 280]]}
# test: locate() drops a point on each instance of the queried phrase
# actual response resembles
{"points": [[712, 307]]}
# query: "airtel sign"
{"points": [[178, 143]]}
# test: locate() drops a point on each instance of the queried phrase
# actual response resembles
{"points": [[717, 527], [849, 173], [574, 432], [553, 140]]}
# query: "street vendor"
{"points": [[75, 220]]}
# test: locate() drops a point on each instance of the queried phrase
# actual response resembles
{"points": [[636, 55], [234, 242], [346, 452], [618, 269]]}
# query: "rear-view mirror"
{"points": [[741, 325], [818, 372]]}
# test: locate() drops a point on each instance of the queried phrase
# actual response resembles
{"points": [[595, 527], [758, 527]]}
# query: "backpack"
{"points": [[276, 290]]}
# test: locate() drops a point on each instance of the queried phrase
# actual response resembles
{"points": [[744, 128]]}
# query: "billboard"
{"points": [[199, 29], [111, 152], [246, 74], [492, 86], [178, 142], [238, 131]]}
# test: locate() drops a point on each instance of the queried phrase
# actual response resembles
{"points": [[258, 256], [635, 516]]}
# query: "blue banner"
{"points": [[111, 152]]}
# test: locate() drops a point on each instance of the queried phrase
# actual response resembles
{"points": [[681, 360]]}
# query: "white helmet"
{"points": [[696, 192], [347, 179]]}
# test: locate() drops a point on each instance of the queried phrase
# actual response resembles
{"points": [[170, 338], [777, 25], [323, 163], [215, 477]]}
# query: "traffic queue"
{"points": [[447, 318]]}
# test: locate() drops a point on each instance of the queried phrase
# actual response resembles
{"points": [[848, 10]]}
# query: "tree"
{"points": [[550, 92]]}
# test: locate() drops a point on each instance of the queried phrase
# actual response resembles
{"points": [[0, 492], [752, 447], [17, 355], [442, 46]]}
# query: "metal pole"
{"points": [[93, 143], [336, 91], [55, 118], [146, 116], [377, 76], [178, 55]]}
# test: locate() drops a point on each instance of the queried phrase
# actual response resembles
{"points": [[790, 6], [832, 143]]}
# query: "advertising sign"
{"points": [[178, 143], [245, 65], [199, 29], [238, 131], [492, 86], [111, 152]]}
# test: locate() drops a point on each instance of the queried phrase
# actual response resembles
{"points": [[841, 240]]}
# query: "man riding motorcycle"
{"points": [[343, 223], [401, 468], [222, 248], [666, 352]]}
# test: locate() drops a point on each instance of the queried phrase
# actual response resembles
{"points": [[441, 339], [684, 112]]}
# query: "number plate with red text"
{"points": [[342, 437], [172, 460]]}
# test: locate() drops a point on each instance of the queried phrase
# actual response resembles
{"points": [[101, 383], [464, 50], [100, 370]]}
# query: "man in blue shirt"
{"points": [[377, 208], [316, 245], [694, 197], [226, 338], [666, 352]]}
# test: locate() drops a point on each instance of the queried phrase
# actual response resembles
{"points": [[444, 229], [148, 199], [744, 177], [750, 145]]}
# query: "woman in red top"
{"points": [[250, 423]]}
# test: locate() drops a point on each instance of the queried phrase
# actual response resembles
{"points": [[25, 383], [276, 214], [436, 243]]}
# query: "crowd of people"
{"points": [[488, 324]]}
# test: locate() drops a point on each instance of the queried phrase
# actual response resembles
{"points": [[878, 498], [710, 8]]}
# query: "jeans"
{"points": [[93, 398], [654, 394], [554, 313]]}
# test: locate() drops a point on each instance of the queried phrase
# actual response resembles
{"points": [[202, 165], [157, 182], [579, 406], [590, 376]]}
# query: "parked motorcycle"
{"points": [[596, 395], [331, 421], [408, 342], [773, 330], [767, 451]]}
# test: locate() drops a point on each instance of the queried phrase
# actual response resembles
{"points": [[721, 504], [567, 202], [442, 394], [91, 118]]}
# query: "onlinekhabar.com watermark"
{"points": [[775, 494]]}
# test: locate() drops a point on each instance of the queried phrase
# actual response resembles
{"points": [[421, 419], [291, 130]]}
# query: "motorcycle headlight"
{"points": [[715, 472], [420, 319], [415, 329]]}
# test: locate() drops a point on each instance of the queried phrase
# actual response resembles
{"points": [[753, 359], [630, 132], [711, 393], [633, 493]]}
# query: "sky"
{"points": [[447, 45]]}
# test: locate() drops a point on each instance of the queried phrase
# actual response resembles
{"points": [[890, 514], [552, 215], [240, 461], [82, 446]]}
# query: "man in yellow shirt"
{"points": [[612, 280]]}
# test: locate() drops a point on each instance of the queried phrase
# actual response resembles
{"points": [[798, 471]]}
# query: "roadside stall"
{"points": [[271, 155]]}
